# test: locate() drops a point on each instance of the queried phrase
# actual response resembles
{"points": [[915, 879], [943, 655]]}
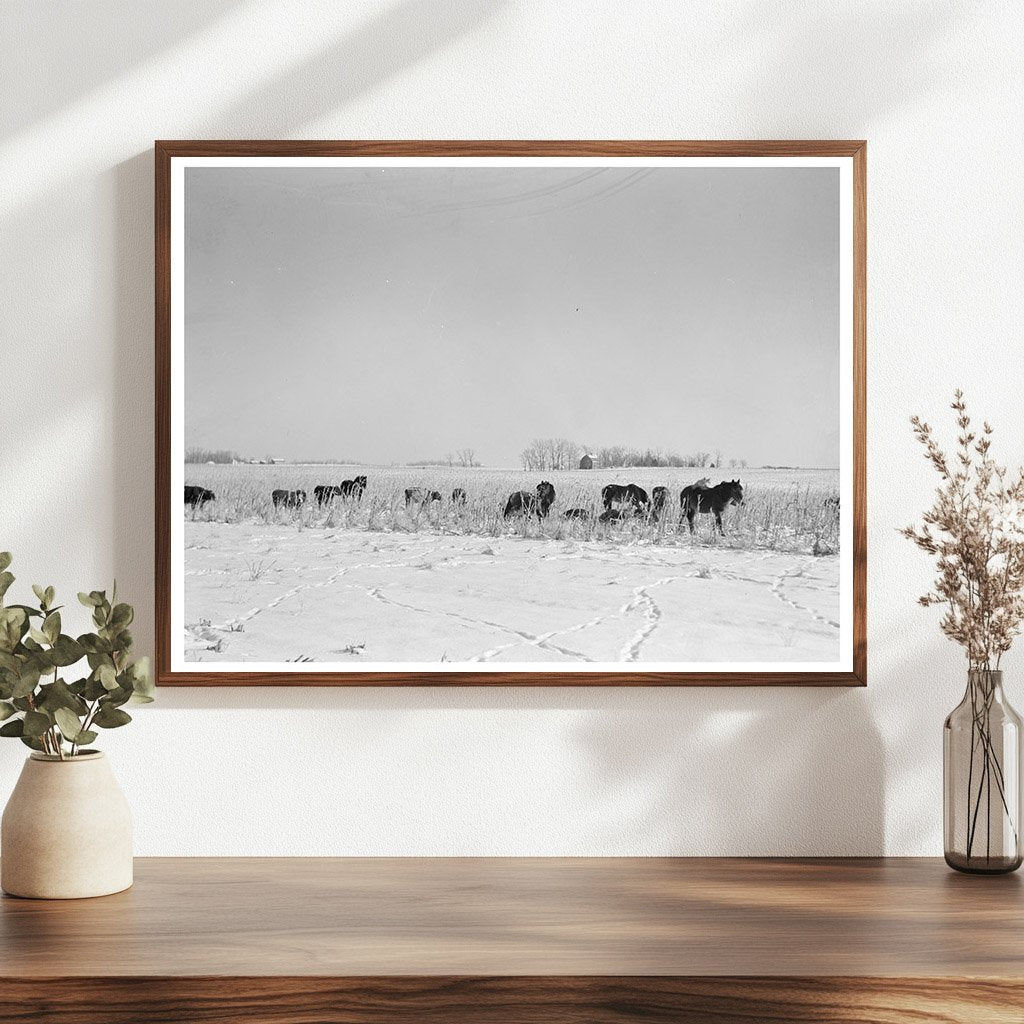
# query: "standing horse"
{"points": [[524, 503], [288, 499], [353, 488], [625, 494], [325, 493], [695, 498]]}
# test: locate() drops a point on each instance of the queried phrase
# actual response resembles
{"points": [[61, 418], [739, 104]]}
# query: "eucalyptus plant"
{"points": [[37, 704]]}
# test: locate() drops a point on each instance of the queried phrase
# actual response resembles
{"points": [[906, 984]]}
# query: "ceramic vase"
{"points": [[66, 831]]}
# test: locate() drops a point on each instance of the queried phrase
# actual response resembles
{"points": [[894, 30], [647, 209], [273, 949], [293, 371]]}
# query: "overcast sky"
{"points": [[401, 314]]}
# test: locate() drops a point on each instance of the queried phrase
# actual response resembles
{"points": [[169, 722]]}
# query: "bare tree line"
{"points": [[551, 453], [464, 457], [193, 455], [554, 453]]}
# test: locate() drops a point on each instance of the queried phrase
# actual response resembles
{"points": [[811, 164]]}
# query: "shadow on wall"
{"points": [[53, 38], [844, 66], [739, 771], [395, 39], [686, 772]]}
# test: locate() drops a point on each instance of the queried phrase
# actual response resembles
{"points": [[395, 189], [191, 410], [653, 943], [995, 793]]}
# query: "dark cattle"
{"points": [[659, 495], [421, 495], [353, 488], [525, 503], [325, 492], [695, 498], [197, 495], [458, 496], [577, 513], [288, 499], [625, 494]]}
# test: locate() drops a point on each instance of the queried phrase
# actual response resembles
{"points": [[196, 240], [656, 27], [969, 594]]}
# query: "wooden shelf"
{"points": [[577, 941]]}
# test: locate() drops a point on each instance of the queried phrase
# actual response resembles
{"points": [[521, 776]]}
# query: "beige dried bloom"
{"points": [[975, 531]]}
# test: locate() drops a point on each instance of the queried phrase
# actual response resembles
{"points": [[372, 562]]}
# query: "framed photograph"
{"points": [[492, 413]]}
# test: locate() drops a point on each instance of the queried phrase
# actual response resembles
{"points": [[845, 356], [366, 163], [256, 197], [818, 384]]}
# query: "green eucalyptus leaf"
{"points": [[89, 600], [122, 616], [36, 723], [50, 595], [69, 724], [110, 717], [95, 645], [31, 741], [94, 689], [6, 579], [86, 736], [22, 703], [66, 651], [107, 676], [5, 559], [59, 695], [51, 626], [27, 681], [13, 625], [16, 727], [142, 680], [29, 611], [6, 710], [115, 698], [38, 636]]}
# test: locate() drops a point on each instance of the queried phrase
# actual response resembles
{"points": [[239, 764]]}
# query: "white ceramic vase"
{"points": [[66, 831]]}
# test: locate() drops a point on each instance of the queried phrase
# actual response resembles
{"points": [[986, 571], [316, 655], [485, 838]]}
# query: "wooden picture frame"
{"points": [[849, 157]]}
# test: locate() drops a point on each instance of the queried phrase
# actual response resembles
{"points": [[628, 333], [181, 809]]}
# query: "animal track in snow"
{"points": [[538, 640], [777, 590], [641, 599]]}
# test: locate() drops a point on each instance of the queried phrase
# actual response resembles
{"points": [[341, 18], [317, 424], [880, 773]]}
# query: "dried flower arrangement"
{"points": [[975, 530]]}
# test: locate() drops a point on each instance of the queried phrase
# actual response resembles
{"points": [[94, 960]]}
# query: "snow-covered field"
{"points": [[257, 591]]}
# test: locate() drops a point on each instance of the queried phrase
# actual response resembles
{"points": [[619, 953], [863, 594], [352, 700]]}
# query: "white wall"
{"points": [[936, 88]]}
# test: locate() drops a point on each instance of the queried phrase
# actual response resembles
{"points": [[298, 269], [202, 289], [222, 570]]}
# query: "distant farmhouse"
{"points": [[586, 462]]}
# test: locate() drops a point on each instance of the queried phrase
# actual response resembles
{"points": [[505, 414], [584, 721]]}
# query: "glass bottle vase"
{"points": [[981, 771]]}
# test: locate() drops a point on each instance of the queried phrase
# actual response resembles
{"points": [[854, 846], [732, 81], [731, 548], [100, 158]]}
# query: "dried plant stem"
{"points": [[991, 769]]}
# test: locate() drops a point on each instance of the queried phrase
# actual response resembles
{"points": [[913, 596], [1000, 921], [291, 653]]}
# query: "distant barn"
{"points": [[586, 462]]}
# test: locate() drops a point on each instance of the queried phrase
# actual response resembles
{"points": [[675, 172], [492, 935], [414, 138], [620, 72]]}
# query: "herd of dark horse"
{"points": [[620, 502]]}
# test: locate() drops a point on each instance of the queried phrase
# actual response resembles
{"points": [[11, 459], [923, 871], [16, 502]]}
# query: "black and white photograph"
{"points": [[511, 415]]}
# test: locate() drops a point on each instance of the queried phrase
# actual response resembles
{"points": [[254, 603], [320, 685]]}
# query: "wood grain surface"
{"points": [[521, 939], [166, 150], [531, 916], [511, 1000]]}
